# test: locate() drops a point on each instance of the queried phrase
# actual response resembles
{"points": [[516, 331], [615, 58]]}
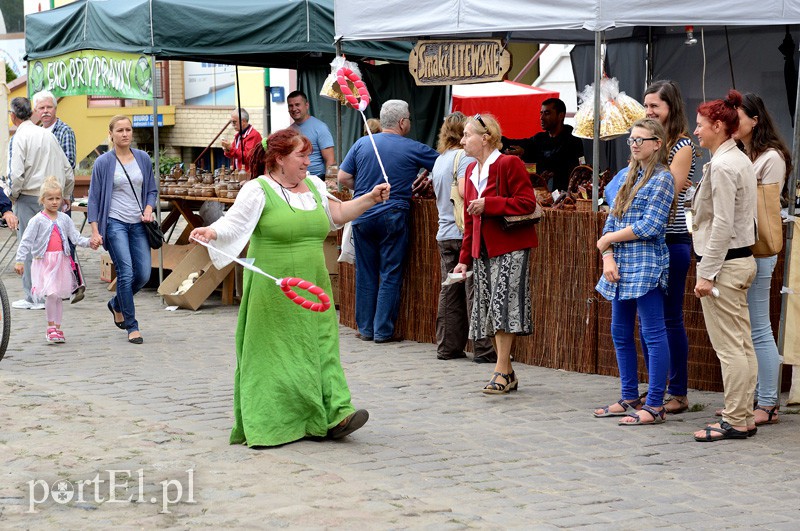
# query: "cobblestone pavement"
{"points": [[436, 452]]}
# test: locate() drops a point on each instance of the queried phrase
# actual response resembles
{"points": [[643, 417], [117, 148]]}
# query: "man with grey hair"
{"points": [[381, 233], [35, 155], [244, 141], [45, 106]]}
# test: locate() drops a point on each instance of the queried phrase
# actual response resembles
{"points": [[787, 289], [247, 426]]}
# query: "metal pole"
{"points": [[157, 168], [338, 45], [531, 62], [598, 72], [789, 235]]}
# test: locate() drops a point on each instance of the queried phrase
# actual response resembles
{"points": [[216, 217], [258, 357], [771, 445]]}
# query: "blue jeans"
{"points": [[127, 244], [680, 256], [761, 332], [650, 308], [381, 243]]}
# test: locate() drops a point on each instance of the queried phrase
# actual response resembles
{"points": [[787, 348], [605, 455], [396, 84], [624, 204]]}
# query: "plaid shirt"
{"points": [[66, 138], [643, 263]]}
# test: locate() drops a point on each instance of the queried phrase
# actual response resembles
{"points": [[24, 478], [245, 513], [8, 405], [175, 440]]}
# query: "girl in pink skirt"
{"points": [[47, 240]]}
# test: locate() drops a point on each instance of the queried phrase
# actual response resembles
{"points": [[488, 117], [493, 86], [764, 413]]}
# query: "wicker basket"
{"points": [[583, 205]]}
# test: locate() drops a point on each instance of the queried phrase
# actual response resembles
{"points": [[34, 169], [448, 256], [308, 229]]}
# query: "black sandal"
{"points": [[772, 415], [496, 388], [727, 431], [635, 404]]}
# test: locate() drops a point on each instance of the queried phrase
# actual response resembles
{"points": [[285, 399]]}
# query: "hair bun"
{"points": [[734, 98]]}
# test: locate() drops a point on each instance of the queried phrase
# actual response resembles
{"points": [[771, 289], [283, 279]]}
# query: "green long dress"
{"points": [[289, 381]]}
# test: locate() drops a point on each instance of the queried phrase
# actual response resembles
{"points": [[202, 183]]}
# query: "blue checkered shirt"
{"points": [[66, 138], [643, 263]]}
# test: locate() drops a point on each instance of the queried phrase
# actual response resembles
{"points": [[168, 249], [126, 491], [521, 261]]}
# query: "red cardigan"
{"points": [[487, 227]]}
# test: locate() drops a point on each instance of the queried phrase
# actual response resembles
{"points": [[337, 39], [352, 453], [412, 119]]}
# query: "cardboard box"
{"points": [[331, 250], [173, 254], [196, 260], [107, 271]]}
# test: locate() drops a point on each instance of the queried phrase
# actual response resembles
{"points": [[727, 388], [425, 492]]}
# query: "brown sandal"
{"points": [[682, 403]]}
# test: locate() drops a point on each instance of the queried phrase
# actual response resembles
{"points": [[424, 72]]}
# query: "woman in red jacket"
{"points": [[497, 185]]}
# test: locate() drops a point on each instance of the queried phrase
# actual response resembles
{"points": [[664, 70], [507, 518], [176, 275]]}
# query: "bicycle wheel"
{"points": [[5, 319]]}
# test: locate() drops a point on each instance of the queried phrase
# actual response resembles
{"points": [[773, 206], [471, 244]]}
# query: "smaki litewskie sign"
{"points": [[93, 72]]}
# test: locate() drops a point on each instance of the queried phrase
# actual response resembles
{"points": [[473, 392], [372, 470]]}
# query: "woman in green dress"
{"points": [[289, 383]]}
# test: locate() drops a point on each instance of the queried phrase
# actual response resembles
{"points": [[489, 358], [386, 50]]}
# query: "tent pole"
{"points": [[157, 168], [596, 141], [792, 190], [338, 45]]}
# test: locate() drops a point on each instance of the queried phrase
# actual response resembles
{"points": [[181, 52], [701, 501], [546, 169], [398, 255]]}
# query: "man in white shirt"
{"points": [[35, 155]]}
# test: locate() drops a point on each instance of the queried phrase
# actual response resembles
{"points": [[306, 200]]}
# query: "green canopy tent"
{"points": [[296, 34]]}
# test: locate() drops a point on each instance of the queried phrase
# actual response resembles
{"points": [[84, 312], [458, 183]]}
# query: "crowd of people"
{"points": [[647, 244], [289, 382]]}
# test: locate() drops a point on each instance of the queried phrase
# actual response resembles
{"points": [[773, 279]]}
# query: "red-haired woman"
{"points": [[724, 209], [289, 382]]}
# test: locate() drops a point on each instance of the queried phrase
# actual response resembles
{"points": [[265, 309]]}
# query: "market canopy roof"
{"points": [[546, 20], [278, 33]]}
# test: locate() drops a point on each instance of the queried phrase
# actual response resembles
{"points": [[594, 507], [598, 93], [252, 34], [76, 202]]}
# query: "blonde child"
{"points": [[47, 240]]}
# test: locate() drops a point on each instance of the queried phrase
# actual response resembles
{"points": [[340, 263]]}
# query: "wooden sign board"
{"points": [[447, 62]]}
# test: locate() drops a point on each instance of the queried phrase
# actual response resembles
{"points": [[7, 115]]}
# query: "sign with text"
{"points": [[441, 62], [146, 120], [93, 72]]}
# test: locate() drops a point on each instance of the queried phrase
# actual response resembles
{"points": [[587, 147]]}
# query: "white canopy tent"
{"points": [[583, 21], [527, 19]]}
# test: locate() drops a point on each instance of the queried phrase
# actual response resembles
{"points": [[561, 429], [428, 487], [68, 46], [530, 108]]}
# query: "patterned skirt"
{"points": [[502, 295]]}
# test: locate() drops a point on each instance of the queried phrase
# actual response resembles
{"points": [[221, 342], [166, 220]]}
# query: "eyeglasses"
{"points": [[639, 141], [480, 121]]}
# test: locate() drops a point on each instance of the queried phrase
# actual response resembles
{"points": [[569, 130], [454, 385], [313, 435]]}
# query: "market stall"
{"points": [[562, 340]]}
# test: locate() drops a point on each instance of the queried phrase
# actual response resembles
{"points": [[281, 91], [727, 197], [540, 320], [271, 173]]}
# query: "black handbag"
{"points": [[155, 237]]}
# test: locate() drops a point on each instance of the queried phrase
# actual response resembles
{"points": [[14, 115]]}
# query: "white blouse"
{"points": [[237, 225]]}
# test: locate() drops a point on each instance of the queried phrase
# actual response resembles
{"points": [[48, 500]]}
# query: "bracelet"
{"points": [[607, 255], [607, 252]]}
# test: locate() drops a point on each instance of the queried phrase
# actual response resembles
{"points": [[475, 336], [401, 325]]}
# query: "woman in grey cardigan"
{"points": [[122, 195]]}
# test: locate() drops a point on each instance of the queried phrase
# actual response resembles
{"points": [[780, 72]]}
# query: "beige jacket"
{"points": [[35, 155], [724, 208]]}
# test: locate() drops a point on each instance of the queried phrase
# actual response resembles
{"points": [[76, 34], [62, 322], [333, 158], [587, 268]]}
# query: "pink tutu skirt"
{"points": [[52, 275]]}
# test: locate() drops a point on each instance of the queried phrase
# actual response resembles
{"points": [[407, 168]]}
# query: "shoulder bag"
{"points": [[153, 229], [770, 232], [455, 195], [522, 220]]}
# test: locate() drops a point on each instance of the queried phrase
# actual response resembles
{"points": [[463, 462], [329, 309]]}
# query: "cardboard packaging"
{"points": [[196, 260], [107, 271]]}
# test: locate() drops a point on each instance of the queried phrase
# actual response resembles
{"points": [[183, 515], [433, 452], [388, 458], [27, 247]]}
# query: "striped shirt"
{"points": [[643, 263], [678, 224]]}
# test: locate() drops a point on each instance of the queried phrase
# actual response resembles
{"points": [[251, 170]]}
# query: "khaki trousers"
{"points": [[728, 325]]}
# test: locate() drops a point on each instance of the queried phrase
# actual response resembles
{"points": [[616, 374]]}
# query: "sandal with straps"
{"points": [[772, 415], [496, 388], [636, 404], [682, 401], [726, 430], [659, 417]]}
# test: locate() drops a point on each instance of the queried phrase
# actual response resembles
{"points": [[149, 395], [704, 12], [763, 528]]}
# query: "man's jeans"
{"points": [[381, 243]]}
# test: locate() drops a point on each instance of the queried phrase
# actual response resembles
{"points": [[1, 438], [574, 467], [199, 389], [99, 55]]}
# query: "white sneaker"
{"points": [[37, 306], [22, 304]]}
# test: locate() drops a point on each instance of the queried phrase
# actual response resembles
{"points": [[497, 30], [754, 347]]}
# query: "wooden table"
{"points": [[185, 206]]}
